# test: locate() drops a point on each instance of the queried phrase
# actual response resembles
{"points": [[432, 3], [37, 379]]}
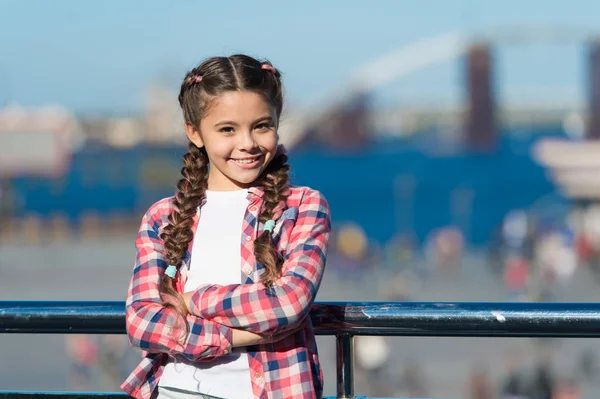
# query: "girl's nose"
{"points": [[247, 141]]}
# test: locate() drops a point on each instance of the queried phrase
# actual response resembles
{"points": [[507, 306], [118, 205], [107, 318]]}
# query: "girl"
{"points": [[227, 269]]}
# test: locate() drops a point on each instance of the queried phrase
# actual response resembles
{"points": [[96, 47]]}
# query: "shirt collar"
{"points": [[256, 190]]}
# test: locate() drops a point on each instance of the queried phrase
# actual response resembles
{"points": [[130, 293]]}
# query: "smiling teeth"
{"points": [[244, 160]]}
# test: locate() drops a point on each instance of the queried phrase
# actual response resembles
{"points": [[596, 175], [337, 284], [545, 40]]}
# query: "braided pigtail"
{"points": [[275, 182], [178, 233]]}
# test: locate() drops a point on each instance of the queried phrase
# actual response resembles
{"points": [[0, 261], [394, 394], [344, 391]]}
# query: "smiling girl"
{"points": [[227, 269]]}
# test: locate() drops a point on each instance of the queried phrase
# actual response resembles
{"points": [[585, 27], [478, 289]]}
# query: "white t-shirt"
{"points": [[216, 259]]}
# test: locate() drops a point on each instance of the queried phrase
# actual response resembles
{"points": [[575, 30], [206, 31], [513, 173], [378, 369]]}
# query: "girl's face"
{"points": [[239, 133]]}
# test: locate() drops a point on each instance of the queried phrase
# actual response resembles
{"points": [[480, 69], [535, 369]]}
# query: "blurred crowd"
{"points": [[533, 256]]}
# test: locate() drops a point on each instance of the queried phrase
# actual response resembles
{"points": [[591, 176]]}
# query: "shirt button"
{"points": [[253, 208], [257, 374], [248, 238], [248, 271]]}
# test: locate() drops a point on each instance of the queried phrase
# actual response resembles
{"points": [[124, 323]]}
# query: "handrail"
{"points": [[344, 320], [449, 319]]}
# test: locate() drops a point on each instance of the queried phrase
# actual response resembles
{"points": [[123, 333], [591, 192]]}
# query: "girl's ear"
{"points": [[194, 135]]}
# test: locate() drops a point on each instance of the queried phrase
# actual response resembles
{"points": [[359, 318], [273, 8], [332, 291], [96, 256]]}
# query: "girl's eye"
{"points": [[263, 126], [227, 130]]}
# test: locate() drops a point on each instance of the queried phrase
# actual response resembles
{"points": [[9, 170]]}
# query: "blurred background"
{"points": [[454, 139]]}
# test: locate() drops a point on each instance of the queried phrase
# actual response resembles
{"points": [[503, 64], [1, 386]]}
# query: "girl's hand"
{"points": [[187, 297], [246, 338]]}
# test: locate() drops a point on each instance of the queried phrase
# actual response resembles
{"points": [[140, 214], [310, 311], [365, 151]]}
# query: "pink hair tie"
{"points": [[268, 67], [194, 79]]}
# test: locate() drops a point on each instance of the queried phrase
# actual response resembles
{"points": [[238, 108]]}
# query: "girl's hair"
{"points": [[200, 86]]}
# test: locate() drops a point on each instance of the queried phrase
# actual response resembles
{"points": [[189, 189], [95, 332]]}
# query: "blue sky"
{"points": [[101, 55]]}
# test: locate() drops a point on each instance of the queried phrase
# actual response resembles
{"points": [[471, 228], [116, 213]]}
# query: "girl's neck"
{"points": [[218, 185]]}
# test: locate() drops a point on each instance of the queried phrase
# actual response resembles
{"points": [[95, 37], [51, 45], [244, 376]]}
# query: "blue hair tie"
{"points": [[171, 271], [269, 225]]}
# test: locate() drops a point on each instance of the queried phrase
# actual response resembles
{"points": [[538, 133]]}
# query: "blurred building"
{"points": [[389, 169]]}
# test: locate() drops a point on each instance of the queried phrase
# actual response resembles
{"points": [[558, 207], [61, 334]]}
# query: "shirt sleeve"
{"points": [[255, 308], [155, 328]]}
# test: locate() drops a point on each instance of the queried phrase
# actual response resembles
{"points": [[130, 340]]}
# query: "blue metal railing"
{"points": [[341, 319]]}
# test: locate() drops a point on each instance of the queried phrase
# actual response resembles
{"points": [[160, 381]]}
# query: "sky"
{"points": [[100, 56]]}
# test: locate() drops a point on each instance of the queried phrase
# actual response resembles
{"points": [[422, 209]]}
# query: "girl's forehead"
{"points": [[239, 105]]}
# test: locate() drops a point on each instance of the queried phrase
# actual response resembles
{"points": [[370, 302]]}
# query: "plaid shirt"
{"points": [[288, 368]]}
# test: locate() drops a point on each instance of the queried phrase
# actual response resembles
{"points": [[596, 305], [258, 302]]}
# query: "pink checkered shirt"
{"points": [[285, 369]]}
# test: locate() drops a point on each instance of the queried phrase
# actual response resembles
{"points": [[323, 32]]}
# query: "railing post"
{"points": [[345, 365]]}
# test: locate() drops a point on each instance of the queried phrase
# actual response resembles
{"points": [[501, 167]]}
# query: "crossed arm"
{"points": [[222, 317]]}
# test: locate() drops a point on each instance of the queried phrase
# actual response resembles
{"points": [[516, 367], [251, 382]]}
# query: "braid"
{"points": [[275, 183], [178, 233]]}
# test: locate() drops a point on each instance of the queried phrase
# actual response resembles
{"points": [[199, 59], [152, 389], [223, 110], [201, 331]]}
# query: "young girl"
{"points": [[228, 268]]}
